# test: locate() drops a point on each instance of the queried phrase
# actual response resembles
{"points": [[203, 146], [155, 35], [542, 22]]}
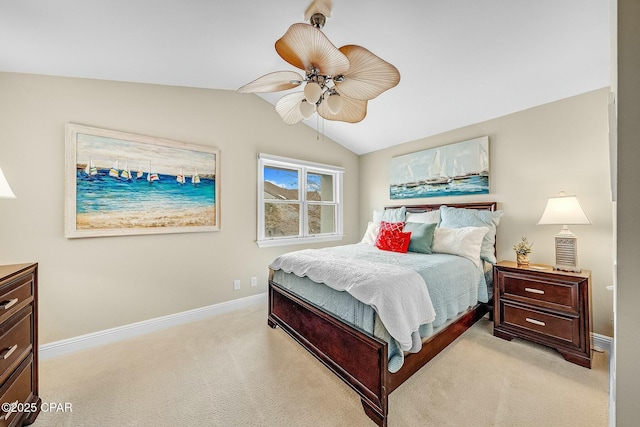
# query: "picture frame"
{"points": [[119, 183], [456, 169]]}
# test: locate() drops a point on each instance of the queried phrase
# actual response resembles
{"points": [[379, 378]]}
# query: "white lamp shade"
{"points": [[5, 190], [334, 103], [312, 92], [307, 109], [563, 210]]}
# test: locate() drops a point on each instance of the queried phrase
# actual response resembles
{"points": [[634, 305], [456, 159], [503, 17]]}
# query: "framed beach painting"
{"points": [[456, 169], [120, 183]]}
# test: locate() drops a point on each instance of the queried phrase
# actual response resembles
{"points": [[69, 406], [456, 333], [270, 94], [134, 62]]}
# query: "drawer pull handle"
{"points": [[534, 291], [535, 322], [8, 352], [6, 305], [11, 410]]}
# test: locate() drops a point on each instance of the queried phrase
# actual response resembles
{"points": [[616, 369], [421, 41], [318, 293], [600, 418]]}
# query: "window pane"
{"points": [[322, 219], [280, 183], [281, 219], [319, 187]]}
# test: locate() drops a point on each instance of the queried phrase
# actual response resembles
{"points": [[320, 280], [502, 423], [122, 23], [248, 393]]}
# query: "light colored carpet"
{"points": [[233, 370]]}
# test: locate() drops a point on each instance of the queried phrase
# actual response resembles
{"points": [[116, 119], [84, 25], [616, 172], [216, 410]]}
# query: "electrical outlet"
{"points": [[236, 285], [254, 282]]}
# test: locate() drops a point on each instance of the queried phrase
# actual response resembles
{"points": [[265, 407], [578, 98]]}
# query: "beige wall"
{"points": [[627, 340], [534, 154], [91, 284]]}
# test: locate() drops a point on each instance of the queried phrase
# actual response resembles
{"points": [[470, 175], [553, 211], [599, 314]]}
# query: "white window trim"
{"points": [[271, 160]]}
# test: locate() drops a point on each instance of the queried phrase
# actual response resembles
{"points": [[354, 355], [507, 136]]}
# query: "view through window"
{"points": [[298, 200]]}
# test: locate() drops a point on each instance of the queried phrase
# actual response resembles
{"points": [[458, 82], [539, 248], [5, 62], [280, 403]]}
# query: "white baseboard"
{"points": [[601, 342], [82, 342]]}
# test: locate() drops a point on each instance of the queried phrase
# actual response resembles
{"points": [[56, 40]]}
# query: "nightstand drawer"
{"points": [[566, 329], [541, 291], [15, 342]]}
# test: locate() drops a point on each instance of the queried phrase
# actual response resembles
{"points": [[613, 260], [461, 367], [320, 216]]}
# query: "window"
{"points": [[298, 201]]}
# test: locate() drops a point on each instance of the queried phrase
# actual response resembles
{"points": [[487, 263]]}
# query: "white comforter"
{"points": [[399, 295]]}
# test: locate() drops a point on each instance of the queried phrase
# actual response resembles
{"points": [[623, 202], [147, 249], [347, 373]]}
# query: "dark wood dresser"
{"points": [[19, 344], [544, 305]]}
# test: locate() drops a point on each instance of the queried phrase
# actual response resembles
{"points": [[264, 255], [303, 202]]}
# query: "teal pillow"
{"points": [[421, 236], [459, 217]]}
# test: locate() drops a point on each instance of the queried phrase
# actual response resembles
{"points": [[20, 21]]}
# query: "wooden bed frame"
{"points": [[358, 358]]}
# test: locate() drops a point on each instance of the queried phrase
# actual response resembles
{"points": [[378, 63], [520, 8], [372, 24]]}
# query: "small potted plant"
{"points": [[523, 249]]}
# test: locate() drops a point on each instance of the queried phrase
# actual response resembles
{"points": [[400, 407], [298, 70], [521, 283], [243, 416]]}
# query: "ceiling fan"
{"points": [[337, 82]]}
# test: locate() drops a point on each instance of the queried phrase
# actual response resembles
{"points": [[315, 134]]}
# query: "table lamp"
{"points": [[5, 190], [565, 210]]}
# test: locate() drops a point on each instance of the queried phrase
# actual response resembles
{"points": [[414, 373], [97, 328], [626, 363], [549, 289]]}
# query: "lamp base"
{"points": [[566, 252]]}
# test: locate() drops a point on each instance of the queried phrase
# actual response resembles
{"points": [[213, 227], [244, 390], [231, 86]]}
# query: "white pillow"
{"points": [[465, 242], [430, 217], [371, 234]]}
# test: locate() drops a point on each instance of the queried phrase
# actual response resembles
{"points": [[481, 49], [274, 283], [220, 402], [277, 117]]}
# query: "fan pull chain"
{"points": [[318, 128]]}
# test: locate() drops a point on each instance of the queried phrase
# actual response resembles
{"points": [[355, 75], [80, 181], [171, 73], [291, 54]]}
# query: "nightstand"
{"points": [[544, 305]]}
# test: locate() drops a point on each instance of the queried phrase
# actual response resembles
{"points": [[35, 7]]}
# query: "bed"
{"points": [[356, 353]]}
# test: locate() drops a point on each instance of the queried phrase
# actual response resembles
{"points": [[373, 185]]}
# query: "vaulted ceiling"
{"points": [[461, 61]]}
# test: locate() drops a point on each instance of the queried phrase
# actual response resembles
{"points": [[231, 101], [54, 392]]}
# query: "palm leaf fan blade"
{"points": [[273, 82], [306, 48], [368, 75], [351, 111], [289, 108]]}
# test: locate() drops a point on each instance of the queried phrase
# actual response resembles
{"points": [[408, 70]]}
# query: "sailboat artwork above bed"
{"points": [[450, 170]]}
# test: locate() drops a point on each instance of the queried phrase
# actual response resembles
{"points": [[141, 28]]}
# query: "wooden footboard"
{"points": [[359, 359]]}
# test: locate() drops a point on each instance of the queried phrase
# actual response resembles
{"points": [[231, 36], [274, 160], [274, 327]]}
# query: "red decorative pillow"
{"points": [[391, 226], [392, 238]]}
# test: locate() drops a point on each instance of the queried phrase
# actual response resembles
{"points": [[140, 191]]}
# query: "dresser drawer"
{"points": [[566, 329], [15, 295], [541, 291], [15, 342], [17, 389]]}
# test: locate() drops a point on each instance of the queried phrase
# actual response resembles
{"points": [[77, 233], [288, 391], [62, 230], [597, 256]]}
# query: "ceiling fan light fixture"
{"points": [[338, 82], [307, 109], [334, 102], [312, 92]]}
